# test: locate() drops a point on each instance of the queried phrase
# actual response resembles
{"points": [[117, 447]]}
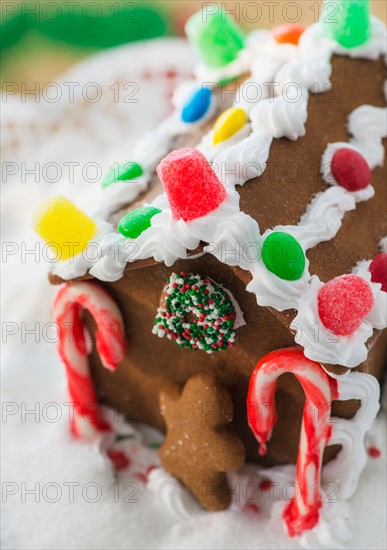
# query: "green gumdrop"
{"points": [[347, 21], [216, 37], [137, 221], [127, 171], [283, 256]]}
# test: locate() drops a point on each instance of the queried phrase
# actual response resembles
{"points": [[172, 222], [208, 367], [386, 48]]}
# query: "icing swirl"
{"points": [[280, 117], [244, 160], [368, 125]]}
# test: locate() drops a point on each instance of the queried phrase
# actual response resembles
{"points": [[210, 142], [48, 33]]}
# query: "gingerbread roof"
{"points": [[282, 194]]}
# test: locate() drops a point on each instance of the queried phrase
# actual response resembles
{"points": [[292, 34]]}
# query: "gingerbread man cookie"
{"points": [[201, 445]]}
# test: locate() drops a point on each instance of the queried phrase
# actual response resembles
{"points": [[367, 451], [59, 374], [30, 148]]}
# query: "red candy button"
{"points": [[192, 187], [378, 270], [350, 170], [343, 303], [287, 33]]}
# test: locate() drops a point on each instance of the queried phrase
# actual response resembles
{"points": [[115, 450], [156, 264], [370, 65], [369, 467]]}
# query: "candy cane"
{"points": [[73, 348], [302, 511]]}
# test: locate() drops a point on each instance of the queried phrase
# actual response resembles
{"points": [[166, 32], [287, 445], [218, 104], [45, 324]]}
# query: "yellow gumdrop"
{"points": [[65, 228], [229, 122]]}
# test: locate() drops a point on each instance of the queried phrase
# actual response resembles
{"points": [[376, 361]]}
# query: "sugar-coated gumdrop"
{"points": [[137, 221], [126, 171], [350, 170], [283, 256], [215, 36], [378, 270], [288, 33], [343, 303], [65, 228], [197, 105], [228, 124], [346, 21], [192, 187]]}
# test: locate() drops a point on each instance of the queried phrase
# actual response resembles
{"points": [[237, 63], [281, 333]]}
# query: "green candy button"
{"points": [[126, 171], [137, 221], [283, 256], [215, 36]]}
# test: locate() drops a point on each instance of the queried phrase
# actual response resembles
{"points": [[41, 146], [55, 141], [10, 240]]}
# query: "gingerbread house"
{"points": [[233, 271]]}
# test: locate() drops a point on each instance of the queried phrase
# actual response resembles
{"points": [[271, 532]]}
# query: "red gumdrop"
{"points": [[343, 303], [350, 170], [192, 187], [378, 270]]}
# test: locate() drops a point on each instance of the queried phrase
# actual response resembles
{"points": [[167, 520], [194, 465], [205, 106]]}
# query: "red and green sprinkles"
{"points": [[196, 313]]}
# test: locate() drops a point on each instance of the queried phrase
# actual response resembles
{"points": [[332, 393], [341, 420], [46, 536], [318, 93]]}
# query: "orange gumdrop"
{"points": [[288, 33]]}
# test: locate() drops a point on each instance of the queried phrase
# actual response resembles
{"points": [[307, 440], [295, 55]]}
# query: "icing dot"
{"points": [[215, 36], [350, 170], [197, 105], [228, 124], [288, 33], [192, 187], [378, 270], [137, 221], [126, 171], [283, 256], [343, 303], [265, 485], [64, 227], [374, 452]]}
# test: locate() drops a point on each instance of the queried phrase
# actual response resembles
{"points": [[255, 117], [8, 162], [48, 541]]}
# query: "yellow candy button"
{"points": [[65, 228], [229, 122]]}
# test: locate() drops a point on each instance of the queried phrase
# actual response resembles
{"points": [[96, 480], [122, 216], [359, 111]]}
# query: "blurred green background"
{"points": [[41, 39]]}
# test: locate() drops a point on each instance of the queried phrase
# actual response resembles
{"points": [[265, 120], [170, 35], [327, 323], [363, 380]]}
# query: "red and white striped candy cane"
{"points": [[73, 348], [302, 511]]}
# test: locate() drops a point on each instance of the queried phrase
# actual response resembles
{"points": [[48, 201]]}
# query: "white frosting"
{"points": [[210, 151], [260, 55], [245, 160], [347, 467], [239, 66], [120, 194], [326, 163], [368, 125], [226, 229], [81, 263], [383, 245], [322, 219], [313, 41], [267, 57], [171, 495], [320, 344], [311, 73], [280, 117]]}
